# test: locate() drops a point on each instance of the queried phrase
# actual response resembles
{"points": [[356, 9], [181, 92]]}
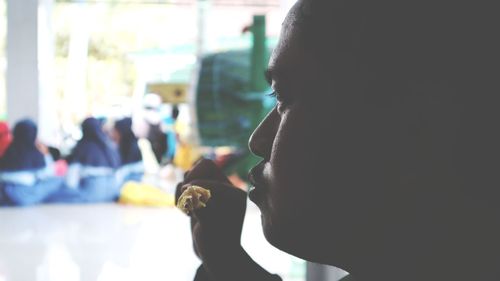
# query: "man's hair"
{"points": [[440, 57], [412, 36]]}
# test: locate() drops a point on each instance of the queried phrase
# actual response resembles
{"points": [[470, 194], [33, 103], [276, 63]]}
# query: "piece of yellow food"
{"points": [[194, 197]]}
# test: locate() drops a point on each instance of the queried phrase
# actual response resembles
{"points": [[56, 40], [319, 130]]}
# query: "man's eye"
{"points": [[281, 101], [280, 98], [272, 94]]}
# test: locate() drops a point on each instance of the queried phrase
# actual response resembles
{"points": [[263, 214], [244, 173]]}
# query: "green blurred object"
{"points": [[231, 97], [258, 66]]}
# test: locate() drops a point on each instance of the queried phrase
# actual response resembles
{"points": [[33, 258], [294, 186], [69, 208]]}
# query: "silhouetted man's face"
{"points": [[321, 179], [382, 150]]}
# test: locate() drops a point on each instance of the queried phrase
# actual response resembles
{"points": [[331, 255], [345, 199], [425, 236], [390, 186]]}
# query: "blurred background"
{"points": [[188, 73]]}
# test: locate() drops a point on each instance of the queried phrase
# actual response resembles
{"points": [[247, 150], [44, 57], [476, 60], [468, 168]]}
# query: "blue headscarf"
{"points": [[22, 153], [94, 149], [129, 150]]}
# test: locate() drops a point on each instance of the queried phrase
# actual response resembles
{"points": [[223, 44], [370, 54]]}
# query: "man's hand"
{"points": [[216, 228]]}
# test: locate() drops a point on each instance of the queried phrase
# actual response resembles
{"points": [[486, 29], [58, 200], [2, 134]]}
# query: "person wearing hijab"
{"points": [[27, 176], [5, 137], [147, 125], [92, 165], [131, 166]]}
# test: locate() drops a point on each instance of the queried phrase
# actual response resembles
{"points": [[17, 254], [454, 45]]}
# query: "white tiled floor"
{"points": [[113, 242]]}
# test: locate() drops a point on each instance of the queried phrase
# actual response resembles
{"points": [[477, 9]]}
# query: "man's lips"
{"points": [[255, 176]]}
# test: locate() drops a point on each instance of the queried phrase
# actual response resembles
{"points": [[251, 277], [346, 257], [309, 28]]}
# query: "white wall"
{"points": [[30, 65], [22, 59], [47, 113]]}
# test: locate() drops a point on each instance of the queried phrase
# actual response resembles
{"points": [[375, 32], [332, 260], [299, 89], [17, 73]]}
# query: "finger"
{"points": [[225, 198], [202, 169], [215, 187], [186, 174], [178, 191], [206, 170]]}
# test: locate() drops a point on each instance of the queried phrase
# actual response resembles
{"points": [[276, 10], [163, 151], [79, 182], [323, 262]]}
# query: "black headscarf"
{"points": [[22, 153], [94, 149], [128, 148]]}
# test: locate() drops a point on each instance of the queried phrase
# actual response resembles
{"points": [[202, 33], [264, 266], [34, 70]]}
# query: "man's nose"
{"points": [[261, 140]]}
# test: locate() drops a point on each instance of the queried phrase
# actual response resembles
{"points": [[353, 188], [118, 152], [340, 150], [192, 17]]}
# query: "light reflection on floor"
{"points": [[113, 242]]}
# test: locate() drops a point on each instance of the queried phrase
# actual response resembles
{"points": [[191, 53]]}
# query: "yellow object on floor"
{"points": [[136, 193]]}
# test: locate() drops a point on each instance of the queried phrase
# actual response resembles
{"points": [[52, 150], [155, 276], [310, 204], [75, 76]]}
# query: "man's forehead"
{"points": [[285, 57], [290, 59], [289, 63]]}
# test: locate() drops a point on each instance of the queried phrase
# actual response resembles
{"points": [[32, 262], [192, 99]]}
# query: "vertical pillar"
{"points": [[22, 60], [30, 65], [201, 23], [48, 120], [75, 89]]}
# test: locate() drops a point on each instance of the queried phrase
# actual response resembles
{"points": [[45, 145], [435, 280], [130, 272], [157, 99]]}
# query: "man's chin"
{"points": [[282, 237], [296, 242]]}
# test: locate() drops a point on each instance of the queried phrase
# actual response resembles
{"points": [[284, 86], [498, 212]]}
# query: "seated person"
{"points": [[27, 175], [382, 154], [92, 165], [131, 165]]}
